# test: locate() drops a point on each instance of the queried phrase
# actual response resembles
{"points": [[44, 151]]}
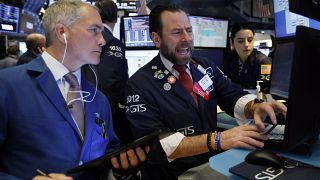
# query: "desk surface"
{"points": [[223, 161]]}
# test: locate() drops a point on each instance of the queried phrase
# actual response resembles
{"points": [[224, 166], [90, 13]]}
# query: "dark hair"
{"points": [[107, 10], [237, 27], [13, 50], [155, 24]]}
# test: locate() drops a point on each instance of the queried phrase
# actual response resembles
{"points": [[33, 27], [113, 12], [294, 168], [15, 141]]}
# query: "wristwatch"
{"points": [[256, 100]]}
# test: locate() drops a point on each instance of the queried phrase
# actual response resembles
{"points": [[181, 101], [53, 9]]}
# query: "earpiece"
{"points": [[65, 38]]}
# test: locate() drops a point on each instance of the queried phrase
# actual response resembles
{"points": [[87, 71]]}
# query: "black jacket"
{"points": [[250, 73], [154, 101]]}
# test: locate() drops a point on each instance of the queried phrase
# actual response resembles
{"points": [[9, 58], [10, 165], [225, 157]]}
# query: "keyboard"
{"points": [[274, 132]]}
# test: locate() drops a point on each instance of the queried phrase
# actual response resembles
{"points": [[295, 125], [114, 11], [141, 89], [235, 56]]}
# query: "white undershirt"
{"points": [[59, 70]]}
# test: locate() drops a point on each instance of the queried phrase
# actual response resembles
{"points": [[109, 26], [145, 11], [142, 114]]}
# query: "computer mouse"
{"points": [[265, 158]]}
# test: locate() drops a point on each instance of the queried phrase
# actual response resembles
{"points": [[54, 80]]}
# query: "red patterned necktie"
{"points": [[186, 80], [74, 101]]}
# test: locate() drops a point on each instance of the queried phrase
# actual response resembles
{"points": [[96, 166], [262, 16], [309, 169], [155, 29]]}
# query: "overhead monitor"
{"points": [[139, 58], [135, 32], [286, 21], [9, 18], [29, 22], [209, 32], [308, 8]]}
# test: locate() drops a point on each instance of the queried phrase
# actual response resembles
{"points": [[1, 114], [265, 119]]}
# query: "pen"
{"points": [[42, 173]]}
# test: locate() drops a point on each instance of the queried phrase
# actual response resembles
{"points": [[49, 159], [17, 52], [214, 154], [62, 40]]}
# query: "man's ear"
{"points": [[60, 32], [156, 39]]}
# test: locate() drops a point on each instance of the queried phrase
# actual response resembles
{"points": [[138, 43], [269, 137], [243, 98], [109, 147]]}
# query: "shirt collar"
{"points": [[57, 69], [169, 65], [106, 26]]}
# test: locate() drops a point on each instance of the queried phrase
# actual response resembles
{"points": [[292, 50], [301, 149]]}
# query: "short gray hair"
{"points": [[64, 12]]}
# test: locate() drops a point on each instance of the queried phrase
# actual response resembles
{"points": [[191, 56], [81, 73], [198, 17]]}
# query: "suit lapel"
{"points": [[50, 88], [177, 88], [196, 76]]}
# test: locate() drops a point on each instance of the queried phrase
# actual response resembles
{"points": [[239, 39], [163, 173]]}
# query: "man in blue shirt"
{"points": [[40, 127]]}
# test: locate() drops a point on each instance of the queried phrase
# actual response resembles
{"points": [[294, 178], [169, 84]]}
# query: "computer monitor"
{"points": [[308, 8], [303, 115], [135, 32], [9, 18], [294, 69], [28, 22], [139, 58], [281, 69], [209, 32], [286, 21]]}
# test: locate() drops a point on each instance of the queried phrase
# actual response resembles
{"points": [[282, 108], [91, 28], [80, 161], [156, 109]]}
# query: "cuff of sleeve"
{"points": [[239, 109], [170, 143]]}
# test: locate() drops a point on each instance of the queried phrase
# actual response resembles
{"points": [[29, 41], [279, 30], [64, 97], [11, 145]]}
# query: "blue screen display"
{"points": [[9, 18], [286, 21]]}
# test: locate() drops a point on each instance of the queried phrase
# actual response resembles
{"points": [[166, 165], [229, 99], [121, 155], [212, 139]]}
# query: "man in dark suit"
{"points": [[58, 120], [35, 46], [180, 92], [112, 70]]}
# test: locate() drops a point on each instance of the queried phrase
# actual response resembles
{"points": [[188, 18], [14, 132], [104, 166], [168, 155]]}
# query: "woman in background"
{"points": [[245, 65]]}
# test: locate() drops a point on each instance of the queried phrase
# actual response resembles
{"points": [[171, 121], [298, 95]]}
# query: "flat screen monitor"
{"points": [[139, 58], [303, 115], [308, 8], [209, 32], [9, 18], [281, 69], [286, 21], [135, 32], [29, 22]]}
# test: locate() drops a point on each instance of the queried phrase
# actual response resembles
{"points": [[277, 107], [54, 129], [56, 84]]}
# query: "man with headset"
{"points": [[58, 121], [180, 92]]}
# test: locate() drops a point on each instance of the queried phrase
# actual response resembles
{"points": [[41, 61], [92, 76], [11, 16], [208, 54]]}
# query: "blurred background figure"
{"points": [[36, 45], [245, 65], [12, 58]]}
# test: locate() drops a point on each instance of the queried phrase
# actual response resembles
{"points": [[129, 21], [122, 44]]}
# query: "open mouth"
{"points": [[183, 51]]}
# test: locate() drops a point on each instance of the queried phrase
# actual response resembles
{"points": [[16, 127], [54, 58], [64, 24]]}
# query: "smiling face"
{"points": [[85, 40], [176, 40], [243, 43]]}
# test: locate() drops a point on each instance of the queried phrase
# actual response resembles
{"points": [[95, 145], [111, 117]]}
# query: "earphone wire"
{"points": [[84, 94]]}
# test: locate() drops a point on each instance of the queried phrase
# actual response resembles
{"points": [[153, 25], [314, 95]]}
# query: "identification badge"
{"points": [[205, 82], [198, 90]]}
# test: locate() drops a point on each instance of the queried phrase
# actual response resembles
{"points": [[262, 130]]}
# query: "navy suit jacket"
{"points": [[155, 101], [36, 128]]}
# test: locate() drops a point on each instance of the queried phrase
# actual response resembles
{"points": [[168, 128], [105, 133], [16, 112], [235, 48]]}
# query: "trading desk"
{"points": [[223, 161]]}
